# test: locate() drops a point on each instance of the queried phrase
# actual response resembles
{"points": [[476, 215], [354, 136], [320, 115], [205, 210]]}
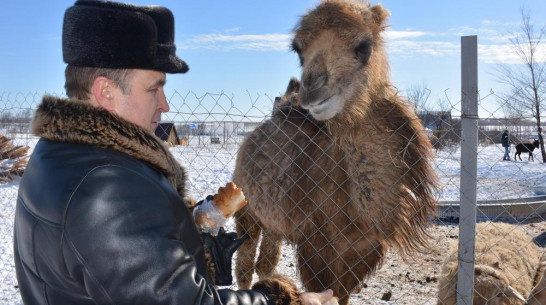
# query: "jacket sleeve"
{"points": [[121, 242]]}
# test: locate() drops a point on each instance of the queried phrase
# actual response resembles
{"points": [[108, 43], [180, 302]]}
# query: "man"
{"points": [[505, 139], [101, 214]]}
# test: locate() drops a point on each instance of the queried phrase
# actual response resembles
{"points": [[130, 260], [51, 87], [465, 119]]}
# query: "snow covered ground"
{"points": [[497, 179], [209, 167]]}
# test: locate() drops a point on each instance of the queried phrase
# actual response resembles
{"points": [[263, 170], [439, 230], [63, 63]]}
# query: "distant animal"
{"points": [[343, 169], [507, 267], [526, 147]]}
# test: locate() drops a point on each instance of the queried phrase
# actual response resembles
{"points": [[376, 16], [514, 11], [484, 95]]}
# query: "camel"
{"points": [[507, 266], [343, 169]]}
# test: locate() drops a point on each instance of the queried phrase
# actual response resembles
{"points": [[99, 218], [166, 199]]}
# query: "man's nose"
{"points": [[163, 103]]}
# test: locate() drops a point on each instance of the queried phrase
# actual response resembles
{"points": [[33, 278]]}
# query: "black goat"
{"points": [[526, 147]]}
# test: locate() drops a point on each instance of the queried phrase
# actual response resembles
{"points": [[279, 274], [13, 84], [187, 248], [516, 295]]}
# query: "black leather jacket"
{"points": [[97, 226], [94, 226]]}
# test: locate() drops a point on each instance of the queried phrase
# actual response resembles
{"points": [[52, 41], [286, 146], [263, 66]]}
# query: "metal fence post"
{"points": [[469, 163]]}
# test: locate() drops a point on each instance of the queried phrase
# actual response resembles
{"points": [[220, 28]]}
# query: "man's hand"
{"points": [[221, 249], [314, 298]]}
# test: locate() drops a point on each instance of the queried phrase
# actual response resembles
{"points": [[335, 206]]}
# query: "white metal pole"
{"points": [[469, 163]]}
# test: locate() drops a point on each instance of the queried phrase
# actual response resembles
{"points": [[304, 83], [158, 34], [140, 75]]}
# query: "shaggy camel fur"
{"points": [[538, 295], [342, 169], [507, 266]]}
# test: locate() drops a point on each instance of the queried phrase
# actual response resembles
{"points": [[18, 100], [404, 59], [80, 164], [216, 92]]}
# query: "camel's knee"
{"points": [[248, 229], [244, 264], [270, 255], [243, 273]]}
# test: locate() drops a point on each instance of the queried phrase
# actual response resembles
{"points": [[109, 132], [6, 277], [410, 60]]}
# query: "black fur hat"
{"points": [[106, 34]]}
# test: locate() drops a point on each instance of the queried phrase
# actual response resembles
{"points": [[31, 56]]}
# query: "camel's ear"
{"points": [[293, 86], [380, 14]]}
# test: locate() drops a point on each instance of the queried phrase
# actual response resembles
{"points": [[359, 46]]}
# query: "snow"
{"points": [[8, 195], [209, 167], [497, 179]]}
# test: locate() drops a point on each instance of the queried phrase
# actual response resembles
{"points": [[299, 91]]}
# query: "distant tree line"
{"points": [[19, 122], [23, 116]]}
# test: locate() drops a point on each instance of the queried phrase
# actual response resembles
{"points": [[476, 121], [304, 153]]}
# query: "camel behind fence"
{"points": [[342, 169]]}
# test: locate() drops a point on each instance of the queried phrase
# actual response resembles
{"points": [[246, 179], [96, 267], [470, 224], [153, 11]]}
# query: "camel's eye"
{"points": [[363, 52], [296, 48]]}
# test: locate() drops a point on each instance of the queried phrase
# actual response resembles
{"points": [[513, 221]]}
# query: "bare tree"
{"points": [[418, 97], [443, 104], [527, 82], [514, 116]]}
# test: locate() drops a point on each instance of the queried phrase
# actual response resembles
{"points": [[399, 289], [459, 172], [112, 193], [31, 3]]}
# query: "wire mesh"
{"points": [[305, 166]]}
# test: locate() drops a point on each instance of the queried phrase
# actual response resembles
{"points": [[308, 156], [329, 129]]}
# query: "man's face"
{"points": [[145, 101]]}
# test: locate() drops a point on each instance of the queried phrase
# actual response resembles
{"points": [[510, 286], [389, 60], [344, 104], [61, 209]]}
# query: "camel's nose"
{"points": [[315, 82], [313, 89]]}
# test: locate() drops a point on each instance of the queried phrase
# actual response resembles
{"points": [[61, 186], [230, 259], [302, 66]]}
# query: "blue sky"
{"points": [[241, 46]]}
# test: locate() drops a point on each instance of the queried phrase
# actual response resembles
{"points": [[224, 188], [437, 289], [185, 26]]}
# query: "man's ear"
{"points": [[103, 91]]}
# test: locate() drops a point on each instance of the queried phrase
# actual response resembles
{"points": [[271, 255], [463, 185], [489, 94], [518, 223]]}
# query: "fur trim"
{"points": [[280, 289], [73, 121], [210, 265]]}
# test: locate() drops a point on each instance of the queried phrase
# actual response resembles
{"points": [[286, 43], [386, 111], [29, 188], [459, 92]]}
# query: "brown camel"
{"points": [[342, 170], [506, 267]]}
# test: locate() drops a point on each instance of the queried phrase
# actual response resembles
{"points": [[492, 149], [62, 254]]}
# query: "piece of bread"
{"points": [[210, 216], [332, 301], [229, 199]]}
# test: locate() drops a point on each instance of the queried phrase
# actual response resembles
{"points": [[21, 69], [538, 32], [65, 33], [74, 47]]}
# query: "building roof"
{"points": [[163, 131]]}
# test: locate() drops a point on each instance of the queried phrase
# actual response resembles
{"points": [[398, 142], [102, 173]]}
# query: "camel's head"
{"points": [[491, 286], [340, 48]]}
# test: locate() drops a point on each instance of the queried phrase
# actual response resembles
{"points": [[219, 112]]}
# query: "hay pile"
{"points": [[13, 159]]}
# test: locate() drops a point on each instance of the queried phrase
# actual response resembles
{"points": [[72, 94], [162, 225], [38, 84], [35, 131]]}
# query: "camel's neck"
{"points": [[367, 127], [357, 120]]}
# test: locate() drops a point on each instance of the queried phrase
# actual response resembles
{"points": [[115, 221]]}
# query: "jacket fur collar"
{"points": [[74, 121]]}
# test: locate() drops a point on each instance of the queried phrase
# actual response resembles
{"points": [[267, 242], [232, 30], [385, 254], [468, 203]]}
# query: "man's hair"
{"points": [[79, 80]]}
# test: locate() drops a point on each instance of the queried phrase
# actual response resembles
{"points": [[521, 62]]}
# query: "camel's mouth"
{"points": [[324, 100], [324, 109]]}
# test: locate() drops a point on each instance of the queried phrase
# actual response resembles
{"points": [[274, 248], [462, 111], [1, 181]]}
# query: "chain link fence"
{"points": [[205, 133]]}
